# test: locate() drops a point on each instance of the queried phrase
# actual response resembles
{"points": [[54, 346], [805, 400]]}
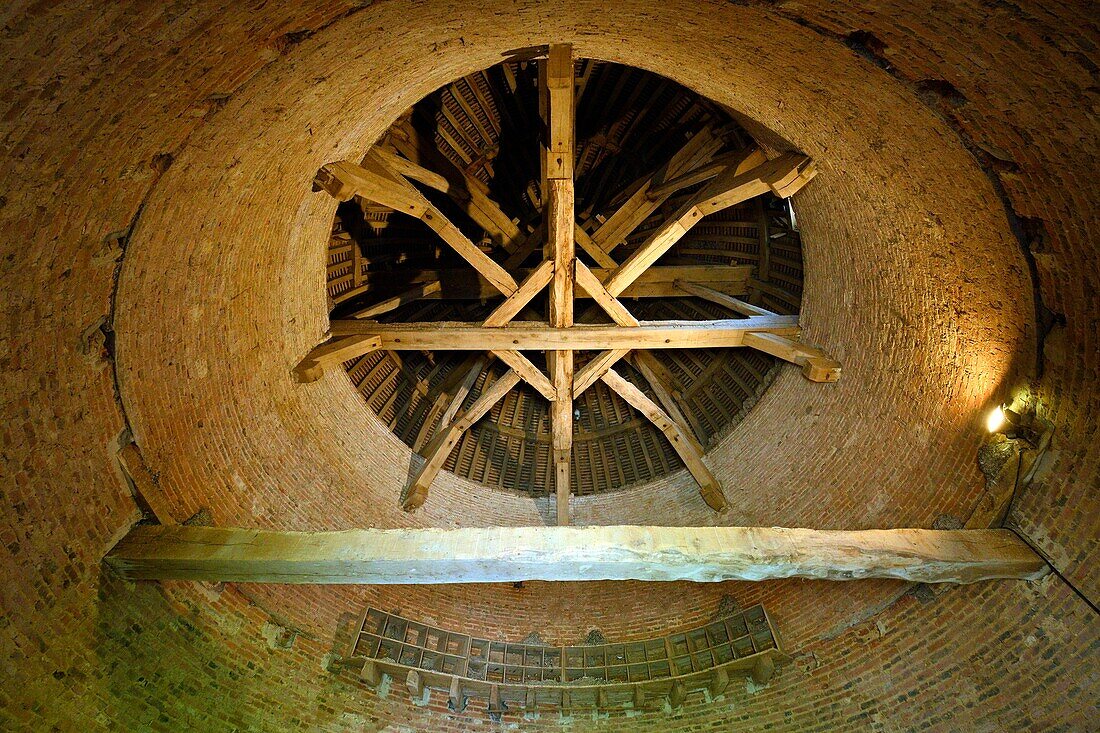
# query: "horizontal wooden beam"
{"points": [[465, 284], [512, 554], [525, 336], [332, 353]]}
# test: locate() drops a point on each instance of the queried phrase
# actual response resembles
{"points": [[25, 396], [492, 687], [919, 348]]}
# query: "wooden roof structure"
{"points": [[575, 190]]}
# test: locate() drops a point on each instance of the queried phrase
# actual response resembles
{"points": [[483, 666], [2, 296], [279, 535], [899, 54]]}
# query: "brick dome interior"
{"points": [[165, 267]]}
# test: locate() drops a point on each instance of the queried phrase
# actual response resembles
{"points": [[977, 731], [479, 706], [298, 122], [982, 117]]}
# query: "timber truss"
{"points": [[386, 178]]}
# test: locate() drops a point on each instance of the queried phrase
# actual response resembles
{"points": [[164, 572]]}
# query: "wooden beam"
{"points": [[332, 353], [417, 292], [524, 336], [741, 160], [345, 179], [529, 372], [512, 554], [639, 206], [598, 366], [657, 282], [450, 399], [725, 300], [463, 188], [658, 377], [560, 235], [443, 443], [816, 365], [538, 279], [683, 442], [781, 176]]}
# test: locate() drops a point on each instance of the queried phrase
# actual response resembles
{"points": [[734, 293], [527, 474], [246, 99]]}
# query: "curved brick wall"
{"points": [[202, 127]]}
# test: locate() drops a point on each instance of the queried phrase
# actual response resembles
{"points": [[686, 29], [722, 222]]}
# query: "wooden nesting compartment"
{"points": [[571, 677]]}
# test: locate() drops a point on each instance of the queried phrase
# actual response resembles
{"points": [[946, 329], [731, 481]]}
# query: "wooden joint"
{"points": [[326, 180], [415, 498]]}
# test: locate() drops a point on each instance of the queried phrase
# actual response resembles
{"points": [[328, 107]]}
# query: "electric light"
{"points": [[996, 419]]}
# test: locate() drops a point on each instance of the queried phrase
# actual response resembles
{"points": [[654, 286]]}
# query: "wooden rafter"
{"points": [[345, 179], [684, 443], [436, 452], [386, 178], [784, 176]]}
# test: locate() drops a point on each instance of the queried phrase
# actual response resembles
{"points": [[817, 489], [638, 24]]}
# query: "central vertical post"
{"points": [[558, 169]]}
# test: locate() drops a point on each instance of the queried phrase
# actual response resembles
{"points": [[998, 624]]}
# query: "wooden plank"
{"points": [[446, 439], [417, 292], [657, 282], [678, 435], [529, 372], [522, 336], [728, 189], [512, 554], [332, 353], [538, 279], [381, 184]]}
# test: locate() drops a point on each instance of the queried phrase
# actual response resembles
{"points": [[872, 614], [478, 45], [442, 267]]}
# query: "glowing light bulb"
{"points": [[996, 419]]}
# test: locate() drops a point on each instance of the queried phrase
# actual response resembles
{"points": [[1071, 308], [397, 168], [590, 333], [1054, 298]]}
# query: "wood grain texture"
{"points": [[509, 554]]}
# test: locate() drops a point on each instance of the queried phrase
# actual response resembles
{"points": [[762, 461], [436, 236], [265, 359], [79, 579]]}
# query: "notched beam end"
{"points": [[791, 179], [714, 497], [328, 181], [308, 371], [821, 369], [415, 497]]}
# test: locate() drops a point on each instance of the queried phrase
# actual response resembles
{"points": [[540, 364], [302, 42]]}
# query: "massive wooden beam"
{"points": [[513, 554], [560, 226], [525, 336], [332, 353], [681, 438], [783, 176], [656, 282]]}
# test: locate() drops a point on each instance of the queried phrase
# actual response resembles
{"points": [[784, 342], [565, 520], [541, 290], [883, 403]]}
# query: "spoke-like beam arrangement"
{"points": [[389, 176]]}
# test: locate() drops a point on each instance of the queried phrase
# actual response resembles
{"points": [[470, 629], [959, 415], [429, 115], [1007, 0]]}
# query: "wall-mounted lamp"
{"points": [[1026, 425], [1003, 420]]}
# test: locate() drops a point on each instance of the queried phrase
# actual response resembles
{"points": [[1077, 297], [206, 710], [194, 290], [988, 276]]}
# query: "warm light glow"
{"points": [[996, 419]]}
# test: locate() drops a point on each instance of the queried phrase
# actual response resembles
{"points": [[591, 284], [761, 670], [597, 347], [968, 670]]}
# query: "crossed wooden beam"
{"points": [[385, 177]]}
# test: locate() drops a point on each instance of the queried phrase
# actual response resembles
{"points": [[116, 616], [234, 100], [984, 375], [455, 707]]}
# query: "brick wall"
{"points": [[925, 123]]}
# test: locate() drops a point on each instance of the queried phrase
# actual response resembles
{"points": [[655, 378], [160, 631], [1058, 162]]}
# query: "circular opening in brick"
{"points": [[478, 137]]}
